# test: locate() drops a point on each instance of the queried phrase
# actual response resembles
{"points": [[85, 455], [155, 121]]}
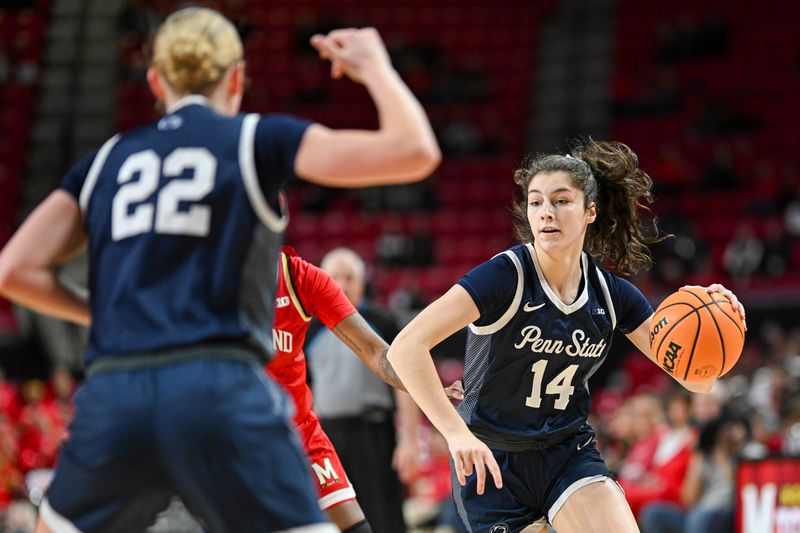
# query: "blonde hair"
{"points": [[194, 48]]}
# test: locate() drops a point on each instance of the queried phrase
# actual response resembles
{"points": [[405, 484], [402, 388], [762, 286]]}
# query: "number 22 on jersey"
{"points": [[163, 217], [560, 385]]}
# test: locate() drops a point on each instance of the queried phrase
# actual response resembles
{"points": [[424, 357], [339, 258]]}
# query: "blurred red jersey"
{"points": [[304, 291]]}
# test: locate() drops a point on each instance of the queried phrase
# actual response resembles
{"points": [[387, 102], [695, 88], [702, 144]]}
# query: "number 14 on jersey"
{"points": [[560, 385]]}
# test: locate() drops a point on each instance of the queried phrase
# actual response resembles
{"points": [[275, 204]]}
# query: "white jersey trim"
{"points": [[607, 294], [289, 282], [512, 309], [341, 495], [579, 302], [189, 99], [559, 503], [247, 164], [54, 521], [94, 173]]}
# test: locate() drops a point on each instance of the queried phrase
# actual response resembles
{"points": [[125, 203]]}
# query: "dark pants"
{"points": [[213, 430], [365, 448]]}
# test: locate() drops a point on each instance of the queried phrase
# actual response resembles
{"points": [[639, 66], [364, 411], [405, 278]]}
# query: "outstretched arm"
{"points": [[369, 346], [48, 238], [402, 150], [411, 358]]}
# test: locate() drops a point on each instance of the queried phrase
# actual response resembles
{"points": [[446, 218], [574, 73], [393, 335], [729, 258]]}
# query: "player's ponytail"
{"points": [[194, 47], [608, 173], [623, 189]]}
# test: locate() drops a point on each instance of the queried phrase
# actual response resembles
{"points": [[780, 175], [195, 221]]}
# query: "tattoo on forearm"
{"points": [[371, 348], [387, 373], [353, 344]]}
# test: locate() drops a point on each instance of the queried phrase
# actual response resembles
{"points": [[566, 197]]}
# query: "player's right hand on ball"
{"points": [[468, 452], [352, 51]]}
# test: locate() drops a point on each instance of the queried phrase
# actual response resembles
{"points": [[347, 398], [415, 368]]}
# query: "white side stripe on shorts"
{"points": [[551, 514]]}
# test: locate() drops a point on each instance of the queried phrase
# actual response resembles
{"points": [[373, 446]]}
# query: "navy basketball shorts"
{"points": [[535, 485], [216, 431]]}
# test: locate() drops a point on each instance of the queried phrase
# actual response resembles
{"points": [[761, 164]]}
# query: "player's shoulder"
{"points": [[293, 259], [619, 286], [507, 256]]}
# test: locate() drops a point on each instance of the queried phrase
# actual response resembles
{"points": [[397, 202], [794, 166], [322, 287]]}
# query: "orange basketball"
{"points": [[696, 335]]}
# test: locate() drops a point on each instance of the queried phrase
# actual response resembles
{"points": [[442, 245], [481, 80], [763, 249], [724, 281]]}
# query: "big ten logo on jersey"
{"points": [[326, 474], [282, 301], [282, 341], [580, 346]]}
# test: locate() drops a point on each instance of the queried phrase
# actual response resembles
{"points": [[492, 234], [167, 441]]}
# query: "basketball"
{"points": [[696, 335]]}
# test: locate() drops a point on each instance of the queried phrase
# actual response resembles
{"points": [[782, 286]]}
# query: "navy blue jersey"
{"points": [[530, 355], [184, 229]]}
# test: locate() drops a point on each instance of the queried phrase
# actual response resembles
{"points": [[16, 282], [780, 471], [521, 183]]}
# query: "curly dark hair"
{"points": [[608, 173]]}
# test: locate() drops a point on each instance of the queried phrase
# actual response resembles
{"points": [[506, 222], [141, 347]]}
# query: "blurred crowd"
{"points": [[34, 416]]}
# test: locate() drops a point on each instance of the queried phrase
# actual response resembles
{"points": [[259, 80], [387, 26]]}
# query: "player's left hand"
{"points": [[405, 459], [727, 293]]}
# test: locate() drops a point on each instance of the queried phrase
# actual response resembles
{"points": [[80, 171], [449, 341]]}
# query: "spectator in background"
{"points": [[663, 483], [617, 436], [63, 386], [743, 254], [791, 216], [10, 475], [708, 492], [707, 407], [9, 398], [41, 430], [777, 250], [684, 257], [356, 408], [649, 428]]}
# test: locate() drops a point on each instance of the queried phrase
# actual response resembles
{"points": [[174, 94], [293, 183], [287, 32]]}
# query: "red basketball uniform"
{"points": [[305, 291]]}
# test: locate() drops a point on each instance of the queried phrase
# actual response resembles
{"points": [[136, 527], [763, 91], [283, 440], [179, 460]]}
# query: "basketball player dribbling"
{"points": [[541, 317], [183, 223]]}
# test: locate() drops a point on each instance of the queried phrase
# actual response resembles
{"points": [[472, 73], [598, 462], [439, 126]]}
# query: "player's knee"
{"points": [[360, 527]]}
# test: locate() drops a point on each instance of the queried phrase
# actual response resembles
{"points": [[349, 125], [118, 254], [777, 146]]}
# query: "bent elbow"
{"points": [[422, 160], [8, 276]]}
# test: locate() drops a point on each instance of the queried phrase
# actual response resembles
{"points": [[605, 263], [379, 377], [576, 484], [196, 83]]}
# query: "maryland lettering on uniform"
{"points": [[282, 341], [670, 356], [581, 343]]}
